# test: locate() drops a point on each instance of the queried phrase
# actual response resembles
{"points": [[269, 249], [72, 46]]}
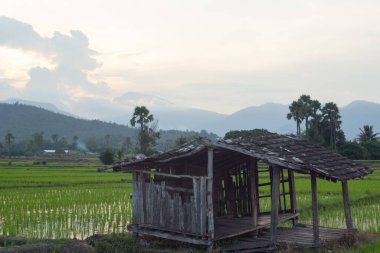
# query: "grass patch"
{"points": [[115, 243]]}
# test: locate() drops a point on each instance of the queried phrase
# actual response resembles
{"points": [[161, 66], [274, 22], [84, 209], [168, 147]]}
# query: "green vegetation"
{"points": [[147, 134], [373, 247], [247, 133], [107, 156], [69, 199], [322, 126], [114, 243], [28, 130], [61, 200]]}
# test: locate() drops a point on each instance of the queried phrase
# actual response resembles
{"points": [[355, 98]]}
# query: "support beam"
{"points": [[314, 199], [346, 203], [275, 205], [210, 209], [253, 186], [292, 194]]}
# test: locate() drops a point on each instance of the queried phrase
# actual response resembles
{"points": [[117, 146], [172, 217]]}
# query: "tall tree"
{"points": [[38, 141], [331, 116], [367, 134], [147, 135], [307, 108], [9, 138], [314, 131], [297, 113], [55, 139]]}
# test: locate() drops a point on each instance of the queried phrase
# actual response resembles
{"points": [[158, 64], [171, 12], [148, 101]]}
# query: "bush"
{"points": [[353, 150], [107, 156], [114, 243], [247, 133], [373, 148]]}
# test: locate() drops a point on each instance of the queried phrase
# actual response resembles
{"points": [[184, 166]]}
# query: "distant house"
{"points": [[53, 151], [205, 191]]}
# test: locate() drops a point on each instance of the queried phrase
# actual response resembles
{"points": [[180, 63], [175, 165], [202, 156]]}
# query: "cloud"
{"points": [[19, 35], [73, 52], [6, 90], [69, 55]]}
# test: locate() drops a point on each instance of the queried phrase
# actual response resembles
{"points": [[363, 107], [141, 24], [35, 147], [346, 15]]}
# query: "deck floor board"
{"points": [[298, 236], [227, 227]]}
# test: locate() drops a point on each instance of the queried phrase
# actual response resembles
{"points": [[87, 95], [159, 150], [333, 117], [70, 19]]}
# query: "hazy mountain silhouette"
{"points": [[25, 120], [269, 116], [359, 113], [46, 106]]}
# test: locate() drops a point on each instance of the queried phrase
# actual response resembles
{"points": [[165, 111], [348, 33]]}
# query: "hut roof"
{"points": [[281, 150]]}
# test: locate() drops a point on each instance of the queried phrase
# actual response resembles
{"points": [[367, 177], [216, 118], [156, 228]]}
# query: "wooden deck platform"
{"points": [[302, 235], [298, 236], [228, 227]]}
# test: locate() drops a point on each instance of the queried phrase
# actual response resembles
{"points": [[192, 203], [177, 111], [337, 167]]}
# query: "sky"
{"points": [[215, 55]]}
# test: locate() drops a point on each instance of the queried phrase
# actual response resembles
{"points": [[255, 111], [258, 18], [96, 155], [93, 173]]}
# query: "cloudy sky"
{"points": [[217, 55]]}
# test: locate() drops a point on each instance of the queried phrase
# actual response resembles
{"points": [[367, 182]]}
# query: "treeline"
{"points": [[322, 125], [10, 144], [28, 130]]}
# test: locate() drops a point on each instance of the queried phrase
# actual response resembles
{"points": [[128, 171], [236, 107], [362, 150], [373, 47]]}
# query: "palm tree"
{"points": [[367, 134], [331, 116], [296, 112], [314, 123], [142, 117], [307, 108]]}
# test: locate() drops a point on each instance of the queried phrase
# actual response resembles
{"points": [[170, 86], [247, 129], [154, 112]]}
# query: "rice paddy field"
{"points": [[70, 199], [62, 199]]}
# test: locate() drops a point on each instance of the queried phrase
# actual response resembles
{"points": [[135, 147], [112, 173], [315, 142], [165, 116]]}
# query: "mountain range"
{"points": [[271, 116]]}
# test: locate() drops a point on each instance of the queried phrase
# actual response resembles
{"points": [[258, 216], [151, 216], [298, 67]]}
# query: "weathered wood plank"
{"points": [[282, 181], [141, 200], [196, 204], [210, 210], [161, 203], [275, 205], [193, 217], [167, 175], [254, 199], [171, 236], [203, 205], [314, 200], [135, 198], [292, 189], [346, 204]]}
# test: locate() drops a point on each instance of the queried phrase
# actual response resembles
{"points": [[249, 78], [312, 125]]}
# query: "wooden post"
{"points": [[283, 190], [314, 199], [275, 206], [210, 209], [292, 194], [346, 203], [254, 199], [135, 202]]}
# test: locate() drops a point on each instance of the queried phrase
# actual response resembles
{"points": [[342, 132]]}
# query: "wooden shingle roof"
{"points": [[281, 150]]}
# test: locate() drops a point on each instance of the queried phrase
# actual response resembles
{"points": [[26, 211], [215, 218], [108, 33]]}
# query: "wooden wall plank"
{"points": [[253, 187], [210, 210], [203, 205], [135, 198]]}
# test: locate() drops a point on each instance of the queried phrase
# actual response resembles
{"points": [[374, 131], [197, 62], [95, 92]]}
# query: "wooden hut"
{"points": [[205, 191]]}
